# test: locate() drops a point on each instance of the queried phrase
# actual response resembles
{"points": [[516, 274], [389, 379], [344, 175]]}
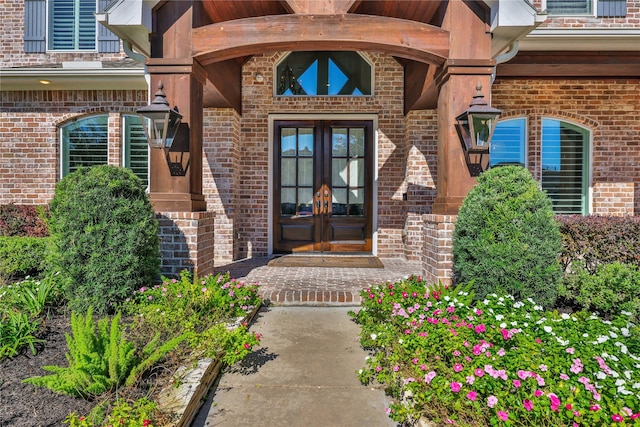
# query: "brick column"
{"points": [[437, 254], [186, 242]]}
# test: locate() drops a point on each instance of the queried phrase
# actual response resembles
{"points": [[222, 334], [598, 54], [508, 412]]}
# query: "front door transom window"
{"points": [[323, 73]]}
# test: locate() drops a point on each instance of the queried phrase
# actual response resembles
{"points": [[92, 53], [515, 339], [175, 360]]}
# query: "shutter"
{"points": [[612, 8], [107, 41], [35, 15]]}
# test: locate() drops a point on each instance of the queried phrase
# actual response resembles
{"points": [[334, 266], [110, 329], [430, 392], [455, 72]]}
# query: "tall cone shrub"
{"points": [[506, 239], [105, 237]]}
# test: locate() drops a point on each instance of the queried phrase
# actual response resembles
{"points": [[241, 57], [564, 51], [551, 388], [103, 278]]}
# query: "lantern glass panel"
{"points": [[482, 126]]}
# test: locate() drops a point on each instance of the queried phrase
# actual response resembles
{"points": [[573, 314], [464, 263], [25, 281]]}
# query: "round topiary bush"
{"points": [[506, 239], [105, 237]]}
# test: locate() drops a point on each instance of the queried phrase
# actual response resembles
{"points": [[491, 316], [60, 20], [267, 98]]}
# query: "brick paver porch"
{"points": [[316, 285]]}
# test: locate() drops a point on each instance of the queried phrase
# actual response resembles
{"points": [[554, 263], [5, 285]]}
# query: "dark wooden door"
{"points": [[323, 176]]}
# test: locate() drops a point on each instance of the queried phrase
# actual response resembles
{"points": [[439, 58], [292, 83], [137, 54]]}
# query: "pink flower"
{"points": [[430, 376], [204, 289], [564, 377], [478, 372], [472, 395], [480, 328], [568, 407], [528, 405], [455, 386], [503, 415], [471, 379], [538, 393], [491, 401], [247, 346], [634, 416], [516, 383], [378, 368], [555, 402], [150, 297], [396, 368], [457, 367], [456, 353], [501, 352], [594, 407], [617, 418], [570, 350], [505, 334]]}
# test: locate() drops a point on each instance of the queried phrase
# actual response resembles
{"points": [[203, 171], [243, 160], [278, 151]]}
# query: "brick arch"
{"points": [[561, 115], [78, 115]]}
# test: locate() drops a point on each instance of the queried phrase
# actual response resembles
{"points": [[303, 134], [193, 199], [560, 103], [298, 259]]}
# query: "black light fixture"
{"points": [[475, 128], [159, 121]]}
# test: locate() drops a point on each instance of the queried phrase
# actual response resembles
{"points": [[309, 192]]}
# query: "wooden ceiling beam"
{"points": [[244, 37], [420, 88], [315, 7]]}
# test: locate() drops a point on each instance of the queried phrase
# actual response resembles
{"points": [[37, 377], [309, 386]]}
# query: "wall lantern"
{"points": [[159, 121], [475, 128]]}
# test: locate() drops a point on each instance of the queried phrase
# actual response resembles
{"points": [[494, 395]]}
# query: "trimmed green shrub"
{"points": [[105, 237], [22, 256], [612, 288], [23, 220], [506, 239], [590, 241]]}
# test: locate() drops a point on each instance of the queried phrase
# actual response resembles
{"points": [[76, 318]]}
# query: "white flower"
{"points": [[626, 313], [602, 338], [547, 329], [625, 332], [400, 340], [620, 382], [518, 304], [514, 323], [622, 390], [526, 325], [565, 316], [374, 336], [446, 298], [360, 372], [601, 375], [485, 302], [499, 317], [613, 334], [585, 335], [636, 385], [503, 325], [628, 374], [537, 307]]}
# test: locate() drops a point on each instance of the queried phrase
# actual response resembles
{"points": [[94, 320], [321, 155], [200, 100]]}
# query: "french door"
{"points": [[323, 181]]}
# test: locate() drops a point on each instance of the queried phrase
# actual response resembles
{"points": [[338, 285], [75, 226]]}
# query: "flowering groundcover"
{"points": [[447, 358]]}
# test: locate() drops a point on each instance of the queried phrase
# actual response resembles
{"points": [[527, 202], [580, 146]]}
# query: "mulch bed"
{"points": [[23, 405]]}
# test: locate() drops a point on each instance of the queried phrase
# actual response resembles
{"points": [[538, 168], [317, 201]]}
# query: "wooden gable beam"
{"points": [[324, 7], [420, 88], [225, 87], [243, 37]]}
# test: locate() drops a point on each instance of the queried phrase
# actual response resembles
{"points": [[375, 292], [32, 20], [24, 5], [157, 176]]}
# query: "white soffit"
{"points": [[511, 20], [131, 21], [582, 39]]}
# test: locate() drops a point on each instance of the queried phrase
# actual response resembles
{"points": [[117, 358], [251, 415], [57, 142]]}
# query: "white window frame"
{"points": [[593, 13]]}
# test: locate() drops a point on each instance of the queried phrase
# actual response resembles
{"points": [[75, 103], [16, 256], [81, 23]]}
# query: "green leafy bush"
{"points": [[23, 256], [202, 308], [17, 331], [498, 361], [31, 295], [590, 241], [613, 287], [138, 414], [100, 359], [23, 220], [506, 239], [105, 237]]}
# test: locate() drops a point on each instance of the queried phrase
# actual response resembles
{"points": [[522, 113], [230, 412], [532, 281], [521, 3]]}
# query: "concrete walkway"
{"points": [[303, 374]]}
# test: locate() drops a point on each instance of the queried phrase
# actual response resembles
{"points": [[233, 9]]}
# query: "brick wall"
{"points": [[12, 42], [29, 141], [608, 107]]}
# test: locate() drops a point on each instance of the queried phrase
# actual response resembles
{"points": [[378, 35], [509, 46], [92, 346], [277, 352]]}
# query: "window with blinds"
{"points": [[85, 143], [601, 8], [136, 148], [565, 160], [508, 145], [72, 25]]}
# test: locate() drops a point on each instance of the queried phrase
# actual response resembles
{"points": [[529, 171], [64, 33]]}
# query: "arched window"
{"points": [[323, 73], [85, 142], [565, 165]]}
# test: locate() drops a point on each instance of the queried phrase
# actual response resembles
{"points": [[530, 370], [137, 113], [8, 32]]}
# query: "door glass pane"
{"points": [[305, 201], [356, 142], [305, 142], [305, 171], [288, 172], [339, 201], [288, 142], [356, 173], [288, 201], [339, 142], [339, 172], [356, 202]]}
